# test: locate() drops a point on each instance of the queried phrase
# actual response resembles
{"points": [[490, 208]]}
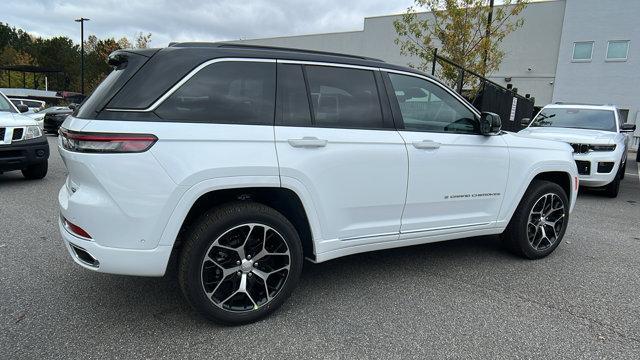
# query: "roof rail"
{"points": [[263, 47]]}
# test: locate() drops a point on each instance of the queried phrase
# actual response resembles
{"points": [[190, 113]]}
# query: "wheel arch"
{"points": [[283, 200], [556, 174], [563, 179]]}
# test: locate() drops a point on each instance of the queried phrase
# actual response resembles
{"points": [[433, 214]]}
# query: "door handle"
{"points": [[308, 142], [426, 144]]}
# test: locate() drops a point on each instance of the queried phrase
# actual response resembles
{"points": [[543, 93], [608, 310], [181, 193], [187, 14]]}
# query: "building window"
{"points": [[617, 50], [582, 51]]}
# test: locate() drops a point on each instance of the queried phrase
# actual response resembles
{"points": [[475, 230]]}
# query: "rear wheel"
{"points": [[540, 221], [240, 262], [36, 171]]}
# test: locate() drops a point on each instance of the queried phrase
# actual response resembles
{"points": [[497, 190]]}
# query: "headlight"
{"points": [[603, 147], [32, 132]]}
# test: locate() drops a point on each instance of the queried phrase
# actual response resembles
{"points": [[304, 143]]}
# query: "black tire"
{"points": [[613, 188], [516, 236], [623, 168], [36, 171], [210, 229]]}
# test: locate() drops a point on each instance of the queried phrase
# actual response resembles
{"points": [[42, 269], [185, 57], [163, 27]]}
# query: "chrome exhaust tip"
{"points": [[84, 257]]}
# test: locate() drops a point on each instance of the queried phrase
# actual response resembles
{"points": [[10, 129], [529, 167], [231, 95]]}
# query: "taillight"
{"points": [[105, 142], [75, 229]]}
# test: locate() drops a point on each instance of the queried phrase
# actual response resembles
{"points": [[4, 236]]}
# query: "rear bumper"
{"points": [[22, 154], [110, 260]]}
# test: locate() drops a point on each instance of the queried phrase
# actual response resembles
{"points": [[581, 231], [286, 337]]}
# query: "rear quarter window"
{"points": [[110, 86]]}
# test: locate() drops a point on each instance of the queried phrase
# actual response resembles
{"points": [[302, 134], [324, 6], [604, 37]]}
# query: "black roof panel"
{"points": [[168, 65]]}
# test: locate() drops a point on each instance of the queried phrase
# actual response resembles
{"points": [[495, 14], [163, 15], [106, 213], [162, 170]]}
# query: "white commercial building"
{"points": [[584, 51]]}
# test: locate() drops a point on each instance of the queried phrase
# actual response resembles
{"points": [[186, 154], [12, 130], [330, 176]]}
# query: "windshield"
{"points": [[576, 118], [5, 105]]}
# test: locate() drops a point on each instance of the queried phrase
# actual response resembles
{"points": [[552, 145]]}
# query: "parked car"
{"points": [[598, 136], [33, 105], [209, 162], [22, 145], [39, 116], [54, 118]]}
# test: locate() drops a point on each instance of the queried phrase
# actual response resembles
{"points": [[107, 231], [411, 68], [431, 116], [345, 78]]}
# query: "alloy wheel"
{"points": [[245, 267], [546, 219]]}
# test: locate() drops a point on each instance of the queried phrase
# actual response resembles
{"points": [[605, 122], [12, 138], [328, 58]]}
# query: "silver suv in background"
{"points": [[598, 136]]}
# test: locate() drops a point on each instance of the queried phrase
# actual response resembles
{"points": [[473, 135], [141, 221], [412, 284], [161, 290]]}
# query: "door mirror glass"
{"points": [[627, 128], [525, 122], [22, 108], [490, 123]]}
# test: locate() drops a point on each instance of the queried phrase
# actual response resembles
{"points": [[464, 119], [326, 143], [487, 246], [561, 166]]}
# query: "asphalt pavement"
{"points": [[460, 299]]}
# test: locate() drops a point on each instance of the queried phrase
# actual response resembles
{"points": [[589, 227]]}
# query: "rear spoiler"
{"points": [[119, 58]]}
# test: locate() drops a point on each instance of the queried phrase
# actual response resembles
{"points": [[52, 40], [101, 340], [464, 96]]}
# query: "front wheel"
{"points": [[240, 262], [613, 188], [37, 171], [540, 221]]}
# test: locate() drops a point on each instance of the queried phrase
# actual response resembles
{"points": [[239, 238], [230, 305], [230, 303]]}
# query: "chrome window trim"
{"points": [[319, 63], [186, 78], [435, 82]]}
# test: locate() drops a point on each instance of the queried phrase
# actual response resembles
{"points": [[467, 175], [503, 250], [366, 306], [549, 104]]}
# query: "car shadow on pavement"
{"points": [[136, 299]]}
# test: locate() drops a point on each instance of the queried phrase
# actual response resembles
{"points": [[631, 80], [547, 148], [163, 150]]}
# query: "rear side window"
{"points": [[225, 93], [293, 101], [344, 97]]}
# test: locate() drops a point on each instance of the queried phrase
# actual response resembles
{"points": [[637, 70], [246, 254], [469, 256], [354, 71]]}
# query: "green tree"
{"points": [[17, 47], [462, 33], [124, 43], [142, 40]]}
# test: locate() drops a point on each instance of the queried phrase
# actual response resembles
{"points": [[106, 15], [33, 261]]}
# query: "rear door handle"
{"points": [[308, 142], [426, 144]]}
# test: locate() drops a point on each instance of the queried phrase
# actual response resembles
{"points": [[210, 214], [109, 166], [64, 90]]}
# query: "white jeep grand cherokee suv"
{"points": [[598, 137], [241, 161]]}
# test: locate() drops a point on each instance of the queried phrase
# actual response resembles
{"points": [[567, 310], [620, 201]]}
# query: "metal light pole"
{"points": [[81, 21], [487, 35]]}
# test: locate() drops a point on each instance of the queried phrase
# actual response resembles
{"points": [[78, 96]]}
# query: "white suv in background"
{"points": [[598, 136], [243, 160]]}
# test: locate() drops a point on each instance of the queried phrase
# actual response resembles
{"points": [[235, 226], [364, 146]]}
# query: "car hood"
{"points": [[35, 116], [570, 135], [12, 119]]}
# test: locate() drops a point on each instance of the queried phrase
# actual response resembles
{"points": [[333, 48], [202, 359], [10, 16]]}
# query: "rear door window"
{"points": [[239, 92], [344, 97], [293, 99]]}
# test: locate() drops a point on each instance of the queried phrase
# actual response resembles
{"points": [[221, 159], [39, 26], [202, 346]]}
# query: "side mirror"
{"points": [[22, 108], [627, 128], [525, 122], [490, 123], [73, 106]]}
